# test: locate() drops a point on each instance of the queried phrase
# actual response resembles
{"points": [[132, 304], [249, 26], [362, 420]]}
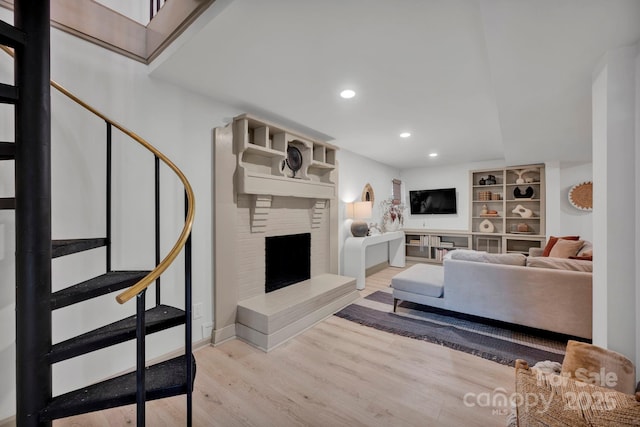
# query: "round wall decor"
{"points": [[581, 196]]}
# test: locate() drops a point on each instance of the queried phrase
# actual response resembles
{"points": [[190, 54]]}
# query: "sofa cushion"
{"points": [[586, 249], [478, 256], [560, 264], [422, 279], [566, 248], [553, 240]]}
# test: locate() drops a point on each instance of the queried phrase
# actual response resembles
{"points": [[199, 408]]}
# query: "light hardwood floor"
{"points": [[337, 373]]}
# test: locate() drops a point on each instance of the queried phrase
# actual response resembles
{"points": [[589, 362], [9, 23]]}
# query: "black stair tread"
{"points": [[10, 35], [8, 94], [165, 379], [7, 150], [7, 203], [72, 246], [92, 288], [157, 319]]}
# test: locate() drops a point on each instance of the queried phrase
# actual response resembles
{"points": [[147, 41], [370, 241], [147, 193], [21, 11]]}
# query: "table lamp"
{"points": [[361, 211]]}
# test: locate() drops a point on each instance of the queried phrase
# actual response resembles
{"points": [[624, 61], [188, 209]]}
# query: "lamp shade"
{"points": [[349, 210], [362, 210]]}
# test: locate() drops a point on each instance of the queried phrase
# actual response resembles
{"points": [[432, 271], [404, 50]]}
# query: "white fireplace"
{"points": [[258, 199]]}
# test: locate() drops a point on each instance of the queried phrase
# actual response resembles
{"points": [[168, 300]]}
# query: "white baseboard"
{"points": [[223, 335]]}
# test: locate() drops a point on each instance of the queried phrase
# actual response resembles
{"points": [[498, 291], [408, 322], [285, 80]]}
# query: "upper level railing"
{"points": [[120, 33], [154, 7]]}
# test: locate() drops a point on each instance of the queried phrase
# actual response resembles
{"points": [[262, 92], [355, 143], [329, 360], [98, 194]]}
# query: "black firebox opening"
{"points": [[288, 260]]}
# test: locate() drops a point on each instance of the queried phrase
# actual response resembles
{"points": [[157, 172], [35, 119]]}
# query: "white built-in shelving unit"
{"points": [[510, 232]]}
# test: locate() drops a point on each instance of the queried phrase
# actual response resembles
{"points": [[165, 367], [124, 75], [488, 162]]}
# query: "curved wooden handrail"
{"points": [[144, 283]]}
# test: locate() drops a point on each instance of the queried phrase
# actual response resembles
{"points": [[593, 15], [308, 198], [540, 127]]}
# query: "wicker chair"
{"points": [[559, 400]]}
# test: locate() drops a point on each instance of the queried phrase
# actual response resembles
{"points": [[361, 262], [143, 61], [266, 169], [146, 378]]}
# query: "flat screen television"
{"points": [[439, 201]]}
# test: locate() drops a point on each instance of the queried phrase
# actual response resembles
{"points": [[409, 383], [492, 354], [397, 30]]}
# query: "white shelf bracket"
{"points": [[319, 209], [260, 213]]}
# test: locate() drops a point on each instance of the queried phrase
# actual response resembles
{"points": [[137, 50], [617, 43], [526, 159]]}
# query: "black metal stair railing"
{"points": [[142, 325], [166, 379]]}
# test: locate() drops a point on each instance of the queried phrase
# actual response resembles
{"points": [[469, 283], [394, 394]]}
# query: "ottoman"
{"points": [[422, 279]]}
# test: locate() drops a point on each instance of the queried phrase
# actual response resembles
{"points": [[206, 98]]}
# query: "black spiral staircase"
{"points": [[35, 250]]}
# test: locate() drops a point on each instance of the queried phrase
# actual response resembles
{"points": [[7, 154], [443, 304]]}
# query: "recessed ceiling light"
{"points": [[347, 94], [433, 154], [405, 134]]}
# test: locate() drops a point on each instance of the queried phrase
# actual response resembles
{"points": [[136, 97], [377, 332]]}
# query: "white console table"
{"points": [[355, 249]]}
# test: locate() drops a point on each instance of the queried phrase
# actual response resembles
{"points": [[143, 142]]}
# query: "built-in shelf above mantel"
{"points": [[274, 161]]}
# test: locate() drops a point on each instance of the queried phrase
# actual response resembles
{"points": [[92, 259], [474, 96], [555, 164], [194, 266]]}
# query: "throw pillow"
{"points": [[553, 240], [587, 249], [566, 248]]}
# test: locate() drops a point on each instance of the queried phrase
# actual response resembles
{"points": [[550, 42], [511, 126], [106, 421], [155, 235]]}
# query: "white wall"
{"points": [[180, 124], [7, 250], [562, 218], [615, 137], [355, 172]]}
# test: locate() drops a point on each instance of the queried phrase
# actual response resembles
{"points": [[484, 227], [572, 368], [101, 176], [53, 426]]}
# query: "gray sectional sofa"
{"points": [[546, 293]]}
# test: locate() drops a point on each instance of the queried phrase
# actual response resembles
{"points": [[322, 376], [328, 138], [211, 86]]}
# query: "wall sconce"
{"points": [[359, 211]]}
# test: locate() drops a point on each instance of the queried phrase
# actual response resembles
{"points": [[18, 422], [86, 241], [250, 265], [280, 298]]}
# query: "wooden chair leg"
{"points": [[395, 304]]}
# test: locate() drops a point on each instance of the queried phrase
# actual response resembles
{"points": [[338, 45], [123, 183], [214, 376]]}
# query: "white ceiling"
{"points": [[470, 79]]}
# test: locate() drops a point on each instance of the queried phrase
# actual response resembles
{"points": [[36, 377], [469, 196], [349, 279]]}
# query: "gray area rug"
{"points": [[492, 340]]}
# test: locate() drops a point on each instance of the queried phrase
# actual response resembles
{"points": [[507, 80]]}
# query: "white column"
{"points": [[614, 213], [637, 65]]}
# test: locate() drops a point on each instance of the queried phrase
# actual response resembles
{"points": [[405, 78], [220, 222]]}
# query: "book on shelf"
{"points": [[447, 244], [440, 253]]}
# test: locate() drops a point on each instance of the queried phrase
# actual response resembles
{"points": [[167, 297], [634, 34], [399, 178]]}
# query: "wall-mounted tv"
{"points": [[439, 201]]}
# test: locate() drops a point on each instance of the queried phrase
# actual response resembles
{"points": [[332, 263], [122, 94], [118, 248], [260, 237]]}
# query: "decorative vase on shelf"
{"points": [[392, 215], [391, 225], [486, 226], [522, 211]]}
